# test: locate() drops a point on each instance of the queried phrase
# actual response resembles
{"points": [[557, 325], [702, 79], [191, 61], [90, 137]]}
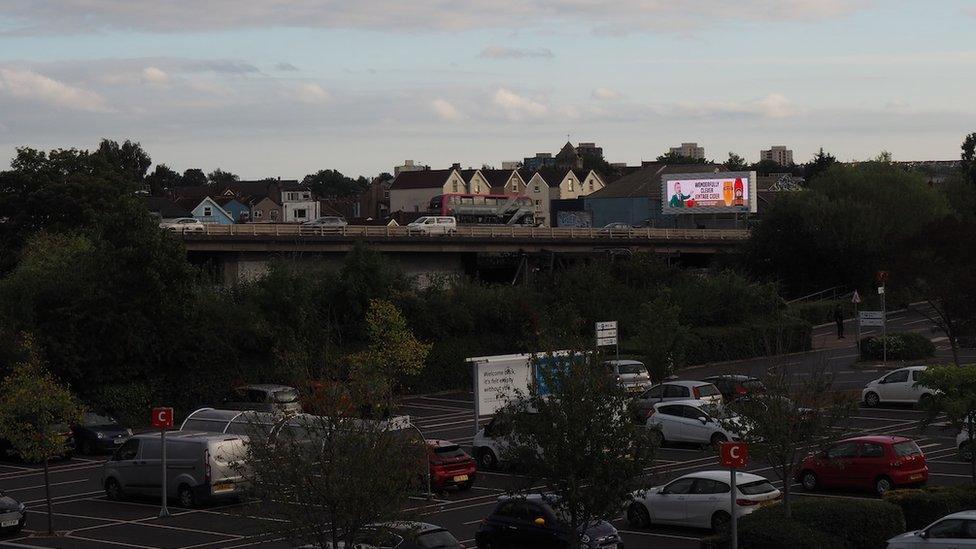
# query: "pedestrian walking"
{"points": [[839, 319]]}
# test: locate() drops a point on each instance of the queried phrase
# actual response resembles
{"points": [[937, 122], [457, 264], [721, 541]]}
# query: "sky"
{"points": [[289, 87]]}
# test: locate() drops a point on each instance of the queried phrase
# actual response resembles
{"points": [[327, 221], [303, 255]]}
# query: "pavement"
{"points": [[87, 520]]}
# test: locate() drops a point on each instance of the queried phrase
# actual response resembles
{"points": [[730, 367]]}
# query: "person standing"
{"points": [[839, 319]]}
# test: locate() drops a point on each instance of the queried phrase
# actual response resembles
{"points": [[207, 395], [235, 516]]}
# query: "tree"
{"points": [[219, 178], [332, 183], [787, 420], [735, 163], [821, 163], [193, 177], [127, 159], [573, 435], [968, 157], [766, 167], [954, 400], [163, 178], [661, 336], [884, 157], [331, 476], [35, 411], [677, 158]]}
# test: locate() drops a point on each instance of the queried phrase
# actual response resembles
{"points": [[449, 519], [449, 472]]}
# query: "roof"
{"points": [[424, 179], [696, 402], [165, 207], [552, 176], [646, 182], [497, 178], [224, 200], [880, 439], [267, 387], [734, 377], [623, 362], [723, 476], [263, 187]]}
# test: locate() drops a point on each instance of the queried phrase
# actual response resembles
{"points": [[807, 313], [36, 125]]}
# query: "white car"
{"points": [[898, 386], [701, 500], [693, 421], [677, 390], [183, 225], [327, 221], [955, 530], [433, 225], [630, 374]]}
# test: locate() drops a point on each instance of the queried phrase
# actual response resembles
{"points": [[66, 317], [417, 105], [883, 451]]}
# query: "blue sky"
{"points": [[301, 85]]}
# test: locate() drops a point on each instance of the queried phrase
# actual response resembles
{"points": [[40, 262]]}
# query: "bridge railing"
{"points": [[475, 231]]}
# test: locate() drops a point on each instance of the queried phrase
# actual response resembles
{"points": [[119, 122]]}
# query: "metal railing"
{"points": [[474, 231]]}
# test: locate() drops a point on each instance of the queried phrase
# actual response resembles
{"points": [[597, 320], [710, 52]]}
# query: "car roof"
{"points": [[407, 526], [266, 387], [881, 439], [437, 442], [696, 402], [723, 476], [686, 383], [734, 377], [962, 515], [623, 362]]}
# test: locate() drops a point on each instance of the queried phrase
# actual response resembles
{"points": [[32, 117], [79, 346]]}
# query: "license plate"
{"points": [[8, 523], [460, 478], [916, 477], [223, 487], [118, 441]]}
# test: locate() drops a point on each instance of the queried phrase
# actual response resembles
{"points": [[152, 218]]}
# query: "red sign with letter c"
{"points": [[162, 418], [734, 454]]}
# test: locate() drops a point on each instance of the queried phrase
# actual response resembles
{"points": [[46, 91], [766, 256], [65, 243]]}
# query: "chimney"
{"points": [[456, 165]]}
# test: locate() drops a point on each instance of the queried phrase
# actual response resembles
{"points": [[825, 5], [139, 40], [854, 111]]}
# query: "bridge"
{"points": [[243, 250]]}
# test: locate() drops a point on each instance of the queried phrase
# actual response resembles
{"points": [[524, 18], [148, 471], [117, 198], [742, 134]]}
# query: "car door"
{"points": [[949, 533], [669, 505], [671, 420], [870, 462], [647, 400], [694, 429], [915, 392], [836, 464], [676, 392], [894, 387], [706, 497], [124, 463]]}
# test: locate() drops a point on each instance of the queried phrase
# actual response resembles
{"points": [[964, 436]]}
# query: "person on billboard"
{"points": [[678, 199]]}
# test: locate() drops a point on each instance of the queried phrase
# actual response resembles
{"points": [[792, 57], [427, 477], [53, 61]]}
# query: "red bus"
{"points": [[490, 209]]}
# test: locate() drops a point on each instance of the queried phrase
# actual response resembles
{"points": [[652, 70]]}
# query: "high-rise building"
{"points": [[408, 166], [539, 161], [778, 154], [689, 150], [589, 149]]}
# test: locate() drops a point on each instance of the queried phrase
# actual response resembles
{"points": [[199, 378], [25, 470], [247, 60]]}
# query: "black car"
{"points": [[403, 535], [99, 433], [531, 523], [67, 450], [13, 514], [734, 386]]}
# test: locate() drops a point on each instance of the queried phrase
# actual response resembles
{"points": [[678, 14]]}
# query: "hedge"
{"points": [[818, 522], [718, 344], [901, 346], [820, 312], [924, 506]]}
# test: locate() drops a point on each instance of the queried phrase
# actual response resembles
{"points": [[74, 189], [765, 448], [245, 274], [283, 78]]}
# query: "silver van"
{"points": [[199, 467]]}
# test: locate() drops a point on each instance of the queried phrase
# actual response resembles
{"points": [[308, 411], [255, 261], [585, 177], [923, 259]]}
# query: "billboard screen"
{"points": [[725, 192]]}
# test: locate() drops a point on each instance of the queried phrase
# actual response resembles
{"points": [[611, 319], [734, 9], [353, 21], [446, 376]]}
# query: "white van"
{"points": [[199, 467], [433, 225]]}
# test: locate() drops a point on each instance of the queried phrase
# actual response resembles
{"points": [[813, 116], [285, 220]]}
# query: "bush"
{"points": [[922, 507], [773, 531], [820, 312], [747, 341], [903, 346]]}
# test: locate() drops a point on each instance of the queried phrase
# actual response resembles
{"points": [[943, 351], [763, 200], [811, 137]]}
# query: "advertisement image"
{"points": [[709, 193]]}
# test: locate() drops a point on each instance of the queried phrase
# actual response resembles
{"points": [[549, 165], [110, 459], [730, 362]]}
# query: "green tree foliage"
{"points": [[127, 159], [766, 167], [969, 158], [849, 224], [661, 337], [677, 158], [577, 439], [735, 163], [35, 412], [953, 400], [219, 178], [163, 178], [193, 177], [822, 161], [332, 183]]}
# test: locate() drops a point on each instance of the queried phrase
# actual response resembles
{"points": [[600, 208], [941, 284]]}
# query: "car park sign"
{"points": [[606, 333], [162, 418], [871, 318], [734, 455]]}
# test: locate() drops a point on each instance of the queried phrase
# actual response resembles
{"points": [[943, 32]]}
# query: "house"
{"points": [[240, 212], [411, 191], [209, 211], [537, 188], [504, 181], [297, 204], [264, 209], [476, 182], [163, 208]]}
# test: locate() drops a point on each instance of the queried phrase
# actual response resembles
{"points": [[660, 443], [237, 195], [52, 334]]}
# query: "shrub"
{"points": [[747, 341], [903, 346], [922, 507], [820, 312], [771, 530]]}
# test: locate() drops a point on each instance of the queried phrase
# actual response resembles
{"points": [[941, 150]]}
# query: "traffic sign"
{"points": [[162, 418], [605, 341], [855, 298], [606, 333], [608, 325], [870, 318], [881, 277], [734, 455]]}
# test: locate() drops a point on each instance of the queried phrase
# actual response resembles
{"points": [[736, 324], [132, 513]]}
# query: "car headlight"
{"points": [[100, 435], [584, 538], [128, 432]]}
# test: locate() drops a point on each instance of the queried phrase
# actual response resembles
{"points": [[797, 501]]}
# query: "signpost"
{"points": [[162, 419], [856, 300], [606, 335], [734, 455], [882, 278]]}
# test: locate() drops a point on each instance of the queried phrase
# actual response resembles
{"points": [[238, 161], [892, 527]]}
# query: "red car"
{"points": [[878, 463], [449, 465]]}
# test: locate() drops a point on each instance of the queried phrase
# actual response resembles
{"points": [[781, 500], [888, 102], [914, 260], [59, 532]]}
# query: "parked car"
{"points": [[326, 221], [530, 522], [965, 447], [898, 386], [264, 398], [676, 390], [733, 386], [183, 225], [692, 421], [13, 514], [701, 500], [64, 431], [199, 467], [433, 225], [630, 374], [449, 465], [98, 433], [617, 226], [955, 530], [878, 462], [401, 535], [488, 444]]}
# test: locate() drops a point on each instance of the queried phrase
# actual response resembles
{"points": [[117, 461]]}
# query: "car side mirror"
{"points": [[539, 521], [924, 534], [703, 420]]}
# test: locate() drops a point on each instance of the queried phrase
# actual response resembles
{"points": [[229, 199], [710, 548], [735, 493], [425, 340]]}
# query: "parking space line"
{"points": [[64, 498], [72, 536], [655, 534], [42, 486]]}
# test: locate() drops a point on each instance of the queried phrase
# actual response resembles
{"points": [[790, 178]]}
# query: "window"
{"points": [[900, 376], [872, 450], [756, 487], [675, 391], [709, 486], [843, 450], [950, 528], [591, 185], [535, 188], [300, 213], [655, 392], [907, 448], [454, 185], [274, 215], [570, 184], [538, 202], [916, 374], [127, 451], [477, 188], [680, 486], [672, 410], [691, 412], [207, 211]]}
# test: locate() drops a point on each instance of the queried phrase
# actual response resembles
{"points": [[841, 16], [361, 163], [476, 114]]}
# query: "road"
{"points": [[88, 520]]}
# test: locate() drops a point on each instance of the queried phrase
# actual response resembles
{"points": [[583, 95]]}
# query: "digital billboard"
{"points": [[723, 192]]}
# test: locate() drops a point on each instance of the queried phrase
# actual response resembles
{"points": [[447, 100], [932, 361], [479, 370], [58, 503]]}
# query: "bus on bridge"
{"points": [[480, 209]]}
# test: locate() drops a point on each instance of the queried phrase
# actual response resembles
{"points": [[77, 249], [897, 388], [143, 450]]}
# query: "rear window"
{"points": [[752, 384], [450, 451], [756, 487], [286, 395], [707, 390], [631, 369], [437, 539], [907, 448]]}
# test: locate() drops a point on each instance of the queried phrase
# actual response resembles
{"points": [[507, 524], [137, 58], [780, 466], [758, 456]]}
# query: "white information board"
{"points": [[871, 318], [499, 378]]}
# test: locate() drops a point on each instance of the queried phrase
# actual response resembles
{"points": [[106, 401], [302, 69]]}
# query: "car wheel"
{"points": [[809, 480], [872, 399], [721, 521], [718, 439], [185, 496], [87, 448], [882, 485], [638, 516], [966, 451], [923, 399], [657, 438], [113, 490], [487, 459]]}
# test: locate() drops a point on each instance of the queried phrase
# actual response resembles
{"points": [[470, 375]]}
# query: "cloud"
{"points": [[658, 16], [517, 107], [285, 67], [312, 93], [502, 52], [155, 75], [446, 111], [772, 106], [605, 94], [29, 85]]}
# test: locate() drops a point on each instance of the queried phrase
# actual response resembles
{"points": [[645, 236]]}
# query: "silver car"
{"points": [[326, 221], [630, 374], [955, 530], [676, 390], [13, 514]]}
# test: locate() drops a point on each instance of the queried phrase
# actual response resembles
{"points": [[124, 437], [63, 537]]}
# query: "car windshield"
{"points": [[907, 448], [449, 451], [286, 395], [756, 487], [98, 419], [707, 390], [436, 539], [631, 369]]}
